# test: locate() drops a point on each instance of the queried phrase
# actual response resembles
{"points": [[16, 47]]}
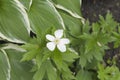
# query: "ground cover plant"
{"points": [[51, 40]]}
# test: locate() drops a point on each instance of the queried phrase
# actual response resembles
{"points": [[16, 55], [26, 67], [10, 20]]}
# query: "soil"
{"points": [[91, 9]]}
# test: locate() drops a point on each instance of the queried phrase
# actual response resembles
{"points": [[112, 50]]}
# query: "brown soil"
{"points": [[91, 9]]}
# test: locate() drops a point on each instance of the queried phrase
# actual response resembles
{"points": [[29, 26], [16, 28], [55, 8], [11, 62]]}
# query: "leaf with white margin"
{"points": [[72, 7], [43, 14], [4, 66], [14, 22], [18, 70], [73, 25], [27, 4]]}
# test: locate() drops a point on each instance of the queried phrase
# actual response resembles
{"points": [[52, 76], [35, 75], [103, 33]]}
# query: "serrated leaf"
{"points": [[83, 61], [30, 55], [99, 56], [108, 73], [84, 75], [108, 24], [39, 75], [39, 59], [51, 71], [70, 56], [57, 58], [29, 46], [66, 73]]}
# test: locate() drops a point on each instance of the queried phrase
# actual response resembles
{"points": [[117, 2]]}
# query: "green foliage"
{"points": [[14, 23], [95, 42], [84, 75], [108, 73], [25, 23], [11, 68]]}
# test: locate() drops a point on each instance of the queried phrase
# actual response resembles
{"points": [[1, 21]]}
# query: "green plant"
{"points": [[26, 29]]}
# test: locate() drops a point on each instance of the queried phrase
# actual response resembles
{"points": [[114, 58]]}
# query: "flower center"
{"points": [[57, 41]]}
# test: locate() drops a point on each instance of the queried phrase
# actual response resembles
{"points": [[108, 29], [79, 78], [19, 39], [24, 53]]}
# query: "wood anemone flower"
{"points": [[57, 40]]}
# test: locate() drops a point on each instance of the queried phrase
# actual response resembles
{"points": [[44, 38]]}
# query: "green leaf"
{"points": [[84, 75], [57, 58], [117, 39], [73, 25], [51, 71], [43, 15], [31, 51], [108, 24], [86, 28], [83, 61], [30, 55], [108, 73], [27, 3], [29, 46], [71, 14], [4, 66], [70, 55], [19, 71], [14, 23], [46, 68], [41, 72], [66, 73], [42, 56], [69, 5], [39, 59]]}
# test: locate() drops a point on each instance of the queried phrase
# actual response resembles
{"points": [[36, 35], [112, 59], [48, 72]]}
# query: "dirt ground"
{"points": [[91, 9]]}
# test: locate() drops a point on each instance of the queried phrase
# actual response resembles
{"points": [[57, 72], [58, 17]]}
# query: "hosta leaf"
{"points": [[70, 5], [71, 14], [43, 14], [27, 3], [72, 24], [4, 67], [19, 71], [14, 23]]}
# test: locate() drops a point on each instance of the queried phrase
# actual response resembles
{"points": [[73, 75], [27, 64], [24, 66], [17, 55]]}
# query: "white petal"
{"points": [[64, 41], [51, 46], [58, 33], [50, 37], [61, 47]]}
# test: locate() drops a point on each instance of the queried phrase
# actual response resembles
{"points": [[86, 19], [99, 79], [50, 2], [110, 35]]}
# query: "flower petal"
{"points": [[64, 41], [58, 33], [50, 37], [51, 46], [61, 47]]}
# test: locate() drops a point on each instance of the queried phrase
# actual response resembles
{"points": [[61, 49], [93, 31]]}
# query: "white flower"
{"points": [[57, 40]]}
